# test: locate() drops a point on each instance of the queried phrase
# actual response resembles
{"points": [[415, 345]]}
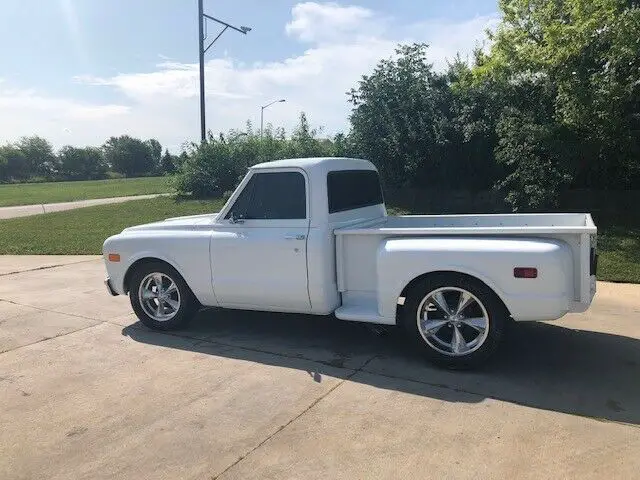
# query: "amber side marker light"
{"points": [[114, 257], [525, 272]]}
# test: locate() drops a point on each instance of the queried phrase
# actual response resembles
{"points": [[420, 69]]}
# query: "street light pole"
{"points": [[202, 18], [262, 113]]}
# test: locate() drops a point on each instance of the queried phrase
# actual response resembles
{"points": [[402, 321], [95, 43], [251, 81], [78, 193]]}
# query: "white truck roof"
{"points": [[318, 164]]}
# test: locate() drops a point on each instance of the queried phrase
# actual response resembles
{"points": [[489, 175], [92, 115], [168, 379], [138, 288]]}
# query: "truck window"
{"points": [[350, 189], [272, 196]]}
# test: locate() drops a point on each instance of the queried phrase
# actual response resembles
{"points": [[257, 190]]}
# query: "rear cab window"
{"points": [[351, 189]]}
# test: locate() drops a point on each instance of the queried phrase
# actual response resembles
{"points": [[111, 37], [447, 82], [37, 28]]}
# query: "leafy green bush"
{"points": [[113, 175], [216, 166], [209, 171]]}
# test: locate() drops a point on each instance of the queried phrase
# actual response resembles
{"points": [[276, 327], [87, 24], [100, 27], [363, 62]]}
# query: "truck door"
{"points": [[259, 253]]}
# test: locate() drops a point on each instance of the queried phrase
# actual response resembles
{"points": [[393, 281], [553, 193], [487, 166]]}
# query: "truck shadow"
{"points": [[541, 365]]}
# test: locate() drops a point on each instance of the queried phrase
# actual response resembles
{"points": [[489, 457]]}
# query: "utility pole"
{"points": [[262, 113], [202, 18], [203, 123]]}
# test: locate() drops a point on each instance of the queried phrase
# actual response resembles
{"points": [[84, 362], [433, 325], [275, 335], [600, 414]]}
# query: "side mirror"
{"points": [[233, 218]]}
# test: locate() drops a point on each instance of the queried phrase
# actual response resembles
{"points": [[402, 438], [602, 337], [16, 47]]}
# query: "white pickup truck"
{"points": [[313, 236]]}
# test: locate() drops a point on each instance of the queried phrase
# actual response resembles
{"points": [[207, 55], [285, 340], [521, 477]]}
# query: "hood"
{"points": [[191, 222]]}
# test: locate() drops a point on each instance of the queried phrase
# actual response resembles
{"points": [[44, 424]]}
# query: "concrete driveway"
{"points": [[87, 393]]}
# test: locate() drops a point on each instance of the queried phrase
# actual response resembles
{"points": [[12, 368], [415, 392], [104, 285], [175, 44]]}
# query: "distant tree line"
{"points": [[34, 159]]}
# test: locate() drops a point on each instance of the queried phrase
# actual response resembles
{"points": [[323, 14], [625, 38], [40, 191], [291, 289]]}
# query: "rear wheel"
{"points": [[160, 297], [457, 321]]}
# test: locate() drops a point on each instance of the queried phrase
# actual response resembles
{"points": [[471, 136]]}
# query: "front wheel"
{"points": [[455, 320], [160, 297]]}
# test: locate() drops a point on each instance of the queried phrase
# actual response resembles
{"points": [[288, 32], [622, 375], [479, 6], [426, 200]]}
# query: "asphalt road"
{"points": [[88, 393]]}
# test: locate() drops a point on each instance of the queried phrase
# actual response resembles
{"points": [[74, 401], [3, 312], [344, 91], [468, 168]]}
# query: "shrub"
{"points": [[209, 171]]}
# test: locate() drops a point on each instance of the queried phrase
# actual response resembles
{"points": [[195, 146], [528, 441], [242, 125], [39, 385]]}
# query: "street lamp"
{"points": [[262, 113], [202, 18]]}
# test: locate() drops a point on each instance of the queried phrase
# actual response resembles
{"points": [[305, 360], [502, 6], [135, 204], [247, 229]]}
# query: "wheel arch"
{"points": [[143, 261], [425, 276]]}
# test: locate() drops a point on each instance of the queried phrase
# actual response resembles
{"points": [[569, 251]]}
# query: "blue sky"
{"points": [[78, 71]]}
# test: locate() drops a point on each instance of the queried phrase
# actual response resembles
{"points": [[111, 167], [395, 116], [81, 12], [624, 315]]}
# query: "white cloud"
{"points": [[95, 112], [446, 39], [63, 108], [322, 22], [27, 112], [345, 43], [172, 79]]}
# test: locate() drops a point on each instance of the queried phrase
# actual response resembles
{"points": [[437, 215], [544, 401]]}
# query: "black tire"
{"points": [[495, 310], [188, 304]]}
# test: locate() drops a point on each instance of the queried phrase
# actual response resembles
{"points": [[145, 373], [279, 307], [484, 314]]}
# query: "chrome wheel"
{"points": [[453, 321], [159, 296]]}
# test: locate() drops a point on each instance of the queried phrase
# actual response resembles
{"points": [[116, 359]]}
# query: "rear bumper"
{"points": [[538, 308], [110, 289]]}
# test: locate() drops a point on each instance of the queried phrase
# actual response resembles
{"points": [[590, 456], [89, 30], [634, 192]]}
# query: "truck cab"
{"points": [[273, 247]]}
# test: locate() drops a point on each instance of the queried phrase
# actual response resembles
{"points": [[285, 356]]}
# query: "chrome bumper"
{"points": [[110, 289]]}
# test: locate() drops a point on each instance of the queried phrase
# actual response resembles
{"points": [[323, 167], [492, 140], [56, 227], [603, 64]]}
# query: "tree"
{"points": [[156, 153], [39, 156], [304, 141], [81, 163], [343, 146], [209, 171], [129, 156], [180, 159], [533, 147], [590, 51], [471, 139], [168, 163], [13, 164], [4, 175], [400, 119]]}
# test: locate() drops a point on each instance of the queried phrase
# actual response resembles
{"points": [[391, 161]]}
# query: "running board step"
{"points": [[360, 313]]}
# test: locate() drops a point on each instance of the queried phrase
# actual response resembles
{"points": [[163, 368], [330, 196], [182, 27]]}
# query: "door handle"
{"points": [[295, 237]]}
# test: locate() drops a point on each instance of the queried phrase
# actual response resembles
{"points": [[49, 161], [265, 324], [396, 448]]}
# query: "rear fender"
{"points": [[490, 260]]}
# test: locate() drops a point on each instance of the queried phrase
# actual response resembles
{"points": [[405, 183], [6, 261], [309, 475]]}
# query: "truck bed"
{"points": [[359, 242]]}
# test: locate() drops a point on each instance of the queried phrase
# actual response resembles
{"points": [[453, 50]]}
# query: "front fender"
{"points": [[188, 254], [490, 260]]}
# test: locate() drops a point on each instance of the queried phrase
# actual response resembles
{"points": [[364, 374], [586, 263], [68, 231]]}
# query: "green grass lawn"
{"points": [[53, 192], [83, 231], [619, 254]]}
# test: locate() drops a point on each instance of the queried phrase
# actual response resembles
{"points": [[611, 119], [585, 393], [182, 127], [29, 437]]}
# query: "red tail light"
{"points": [[525, 272]]}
